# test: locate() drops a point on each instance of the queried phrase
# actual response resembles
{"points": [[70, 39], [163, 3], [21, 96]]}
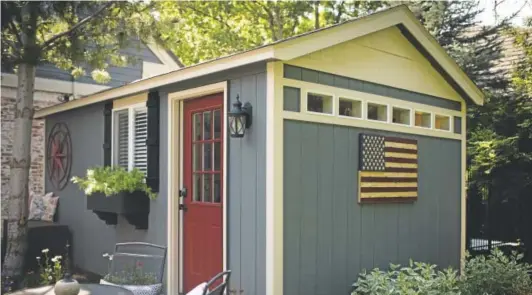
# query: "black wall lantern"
{"points": [[239, 118]]}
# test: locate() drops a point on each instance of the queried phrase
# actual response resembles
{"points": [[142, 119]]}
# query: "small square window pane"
{"points": [[207, 125], [196, 190], [217, 121], [217, 156], [319, 103], [207, 188], [422, 119], [350, 108], [377, 112], [442, 122], [217, 188], [207, 156], [401, 116], [196, 127]]}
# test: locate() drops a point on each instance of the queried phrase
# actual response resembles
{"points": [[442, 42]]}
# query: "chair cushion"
{"points": [[198, 290], [42, 207]]}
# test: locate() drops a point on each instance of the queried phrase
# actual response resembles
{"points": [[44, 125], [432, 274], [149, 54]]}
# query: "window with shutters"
{"points": [[130, 131]]}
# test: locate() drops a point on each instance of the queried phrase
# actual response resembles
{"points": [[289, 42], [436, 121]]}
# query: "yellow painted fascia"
{"points": [[130, 100]]}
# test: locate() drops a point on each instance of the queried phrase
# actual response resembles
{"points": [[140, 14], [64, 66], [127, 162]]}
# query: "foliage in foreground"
{"points": [[495, 274], [113, 180]]}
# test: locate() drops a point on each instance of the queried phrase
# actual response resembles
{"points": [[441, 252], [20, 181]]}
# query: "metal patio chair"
{"points": [[141, 262], [219, 288]]}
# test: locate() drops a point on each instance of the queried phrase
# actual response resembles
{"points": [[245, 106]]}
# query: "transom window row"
{"points": [[326, 104]]}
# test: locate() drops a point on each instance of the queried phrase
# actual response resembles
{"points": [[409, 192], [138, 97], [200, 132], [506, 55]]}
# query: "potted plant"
{"points": [[134, 278], [112, 191]]}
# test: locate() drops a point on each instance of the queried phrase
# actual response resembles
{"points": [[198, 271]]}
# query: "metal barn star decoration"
{"points": [[59, 155]]}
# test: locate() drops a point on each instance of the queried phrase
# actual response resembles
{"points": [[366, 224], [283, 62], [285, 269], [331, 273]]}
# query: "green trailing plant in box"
{"points": [[112, 181]]}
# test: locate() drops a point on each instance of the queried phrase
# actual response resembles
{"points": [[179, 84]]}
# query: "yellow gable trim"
{"points": [[385, 57], [293, 48]]}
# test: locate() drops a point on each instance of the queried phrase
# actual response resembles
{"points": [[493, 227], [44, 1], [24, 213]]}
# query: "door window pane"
{"points": [[217, 188], [197, 188], [207, 188], [217, 156], [196, 132], [207, 156], [196, 157], [207, 125], [217, 119]]}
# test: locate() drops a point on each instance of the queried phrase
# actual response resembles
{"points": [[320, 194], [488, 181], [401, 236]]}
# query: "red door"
{"points": [[203, 178]]}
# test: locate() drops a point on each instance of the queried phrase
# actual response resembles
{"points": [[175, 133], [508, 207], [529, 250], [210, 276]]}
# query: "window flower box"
{"points": [[134, 206], [113, 191]]}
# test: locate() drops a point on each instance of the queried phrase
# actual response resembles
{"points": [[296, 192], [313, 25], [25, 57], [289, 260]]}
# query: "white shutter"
{"points": [[140, 151], [122, 138]]}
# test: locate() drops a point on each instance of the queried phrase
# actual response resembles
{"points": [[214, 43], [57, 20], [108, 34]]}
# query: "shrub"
{"points": [[113, 180], [418, 278], [496, 274]]}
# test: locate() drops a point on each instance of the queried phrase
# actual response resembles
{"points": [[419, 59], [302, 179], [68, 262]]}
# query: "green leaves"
{"points": [[113, 180], [496, 274], [417, 278]]}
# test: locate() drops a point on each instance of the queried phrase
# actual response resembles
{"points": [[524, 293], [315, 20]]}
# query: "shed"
{"points": [[354, 159]]}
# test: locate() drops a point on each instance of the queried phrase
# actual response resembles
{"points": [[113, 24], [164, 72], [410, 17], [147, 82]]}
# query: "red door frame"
{"points": [[202, 253]]}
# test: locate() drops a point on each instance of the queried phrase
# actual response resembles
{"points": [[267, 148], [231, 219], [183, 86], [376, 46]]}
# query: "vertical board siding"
{"points": [[86, 129], [292, 222], [234, 198], [246, 190], [91, 237], [329, 238], [246, 179]]}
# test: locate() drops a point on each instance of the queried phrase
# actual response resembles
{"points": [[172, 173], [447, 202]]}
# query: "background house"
{"points": [[51, 85]]}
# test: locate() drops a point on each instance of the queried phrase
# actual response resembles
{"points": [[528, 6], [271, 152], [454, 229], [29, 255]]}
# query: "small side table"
{"points": [[86, 289]]}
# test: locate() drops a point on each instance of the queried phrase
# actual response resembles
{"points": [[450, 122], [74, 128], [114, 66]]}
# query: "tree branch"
{"points": [[16, 33], [76, 26]]}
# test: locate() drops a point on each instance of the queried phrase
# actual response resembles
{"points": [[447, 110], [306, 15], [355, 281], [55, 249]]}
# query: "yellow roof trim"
{"points": [[292, 48]]}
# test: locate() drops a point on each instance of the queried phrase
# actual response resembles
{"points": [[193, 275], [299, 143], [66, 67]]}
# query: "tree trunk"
{"points": [[316, 15], [21, 158], [19, 173]]}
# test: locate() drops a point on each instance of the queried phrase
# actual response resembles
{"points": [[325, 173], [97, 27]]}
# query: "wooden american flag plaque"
{"points": [[387, 169]]}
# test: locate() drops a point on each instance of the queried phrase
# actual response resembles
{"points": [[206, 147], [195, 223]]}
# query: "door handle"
{"points": [[183, 207]]}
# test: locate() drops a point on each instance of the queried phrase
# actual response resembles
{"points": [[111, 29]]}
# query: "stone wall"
{"points": [[41, 99]]}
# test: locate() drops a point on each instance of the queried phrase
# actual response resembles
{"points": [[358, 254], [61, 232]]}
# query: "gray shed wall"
{"points": [[91, 236], [246, 176], [329, 238]]}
